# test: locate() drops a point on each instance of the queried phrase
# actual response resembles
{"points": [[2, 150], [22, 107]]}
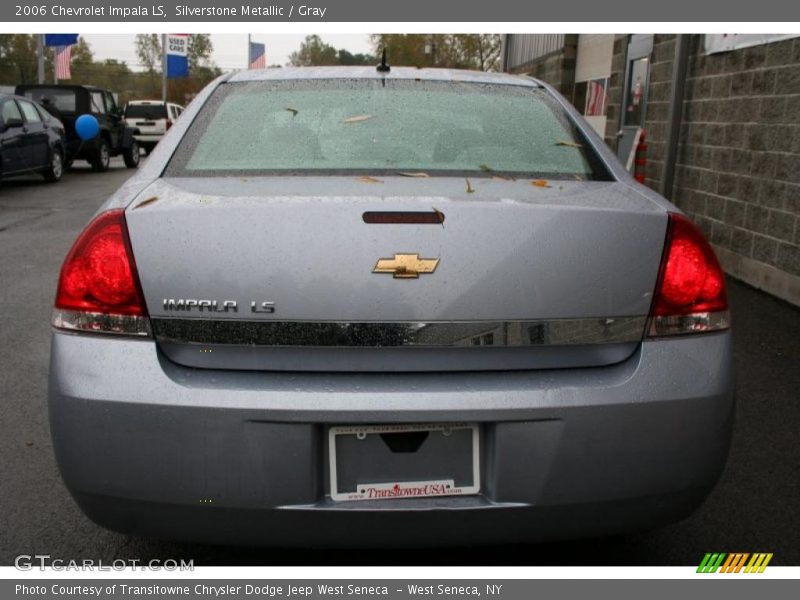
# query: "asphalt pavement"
{"points": [[753, 509]]}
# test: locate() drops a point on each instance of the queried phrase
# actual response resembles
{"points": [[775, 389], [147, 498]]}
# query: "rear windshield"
{"points": [[63, 100], [146, 111], [365, 125]]}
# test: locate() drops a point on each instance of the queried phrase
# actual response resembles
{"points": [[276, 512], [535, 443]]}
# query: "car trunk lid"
{"points": [[284, 273]]}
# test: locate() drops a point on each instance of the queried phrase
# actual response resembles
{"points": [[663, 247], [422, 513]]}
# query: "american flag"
{"points": [[258, 57], [63, 57]]}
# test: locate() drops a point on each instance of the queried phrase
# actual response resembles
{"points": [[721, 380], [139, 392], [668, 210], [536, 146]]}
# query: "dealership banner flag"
{"points": [[60, 39], [177, 49]]}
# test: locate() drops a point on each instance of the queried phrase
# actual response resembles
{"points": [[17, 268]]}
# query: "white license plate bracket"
{"points": [[448, 463]]}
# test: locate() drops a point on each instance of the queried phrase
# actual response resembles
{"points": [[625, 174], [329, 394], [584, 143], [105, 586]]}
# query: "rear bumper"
{"points": [[151, 139], [146, 446]]}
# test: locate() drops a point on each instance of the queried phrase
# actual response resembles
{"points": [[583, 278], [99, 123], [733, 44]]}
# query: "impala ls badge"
{"points": [[406, 266]]}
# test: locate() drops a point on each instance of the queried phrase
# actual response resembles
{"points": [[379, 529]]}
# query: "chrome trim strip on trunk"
{"points": [[437, 334]]}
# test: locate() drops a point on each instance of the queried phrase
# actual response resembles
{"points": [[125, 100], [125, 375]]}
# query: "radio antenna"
{"points": [[383, 67]]}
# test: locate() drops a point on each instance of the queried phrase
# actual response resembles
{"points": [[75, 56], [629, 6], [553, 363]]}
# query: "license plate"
{"points": [[390, 462], [146, 124]]}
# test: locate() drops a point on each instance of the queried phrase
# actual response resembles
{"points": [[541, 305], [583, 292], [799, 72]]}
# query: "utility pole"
{"points": [[249, 53], [163, 67], [55, 58], [40, 58]]}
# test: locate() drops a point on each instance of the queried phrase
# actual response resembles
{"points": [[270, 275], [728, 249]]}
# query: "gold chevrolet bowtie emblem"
{"points": [[406, 266]]}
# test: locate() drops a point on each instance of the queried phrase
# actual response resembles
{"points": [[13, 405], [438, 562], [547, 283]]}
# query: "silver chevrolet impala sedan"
{"points": [[359, 306]]}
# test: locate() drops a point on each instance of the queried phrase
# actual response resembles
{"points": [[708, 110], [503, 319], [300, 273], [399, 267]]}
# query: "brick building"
{"points": [[721, 116]]}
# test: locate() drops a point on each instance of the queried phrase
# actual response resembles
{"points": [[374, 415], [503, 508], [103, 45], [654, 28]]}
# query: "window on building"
{"points": [[637, 91]]}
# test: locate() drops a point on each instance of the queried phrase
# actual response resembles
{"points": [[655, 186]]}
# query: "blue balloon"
{"points": [[87, 127]]}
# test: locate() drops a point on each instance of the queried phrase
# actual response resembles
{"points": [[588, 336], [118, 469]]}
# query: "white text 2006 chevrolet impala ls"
{"points": [[352, 306]]}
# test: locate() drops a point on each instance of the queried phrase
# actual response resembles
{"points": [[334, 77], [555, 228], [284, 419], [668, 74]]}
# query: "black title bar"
{"points": [[778, 11]]}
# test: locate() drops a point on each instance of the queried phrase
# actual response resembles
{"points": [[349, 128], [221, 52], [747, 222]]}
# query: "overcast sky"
{"points": [[230, 50]]}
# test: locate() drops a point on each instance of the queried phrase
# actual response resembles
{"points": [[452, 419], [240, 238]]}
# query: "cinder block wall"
{"points": [[738, 168]]}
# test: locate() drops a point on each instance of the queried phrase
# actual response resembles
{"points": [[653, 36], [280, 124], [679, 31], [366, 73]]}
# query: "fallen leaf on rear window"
{"points": [[368, 179], [358, 119], [495, 175], [146, 202], [470, 189], [407, 174], [294, 111], [542, 183], [569, 144]]}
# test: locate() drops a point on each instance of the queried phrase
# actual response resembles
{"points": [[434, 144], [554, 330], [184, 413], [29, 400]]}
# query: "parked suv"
{"points": [[68, 102], [152, 118]]}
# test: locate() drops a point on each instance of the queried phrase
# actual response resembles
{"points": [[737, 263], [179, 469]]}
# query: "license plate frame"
{"points": [[393, 490]]}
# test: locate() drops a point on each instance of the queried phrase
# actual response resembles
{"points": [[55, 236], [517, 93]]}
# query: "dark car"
{"points": [[31, 139], [68, 103]]}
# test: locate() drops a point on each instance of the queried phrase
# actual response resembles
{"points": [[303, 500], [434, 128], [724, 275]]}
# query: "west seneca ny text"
{"points": [[89, 10], [267, 590]]}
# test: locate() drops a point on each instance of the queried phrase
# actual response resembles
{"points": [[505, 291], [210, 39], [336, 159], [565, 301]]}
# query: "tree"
{"points": [[347, 58], [453, 51], [148, 50], [110, 74], [82, 53], [200, 50], [201, 68], [406, 49], [478, 51], [18, 59], [82, 62], [313, 52]]}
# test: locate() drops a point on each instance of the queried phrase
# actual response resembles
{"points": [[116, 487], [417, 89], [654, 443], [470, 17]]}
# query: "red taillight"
{"points": [[98, 289], [690, 295], [169, 124]]}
